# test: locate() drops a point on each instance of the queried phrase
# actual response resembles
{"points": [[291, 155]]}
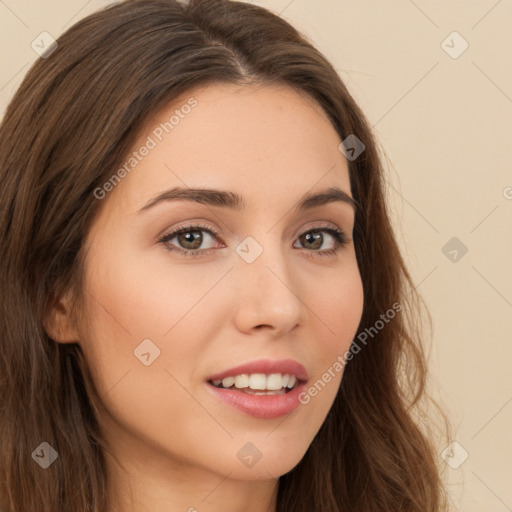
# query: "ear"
{"points": [[59, 325]]}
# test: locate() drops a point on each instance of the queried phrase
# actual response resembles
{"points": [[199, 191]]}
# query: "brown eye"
{"points": [[189, 240], [194, 238], [314, 239]]}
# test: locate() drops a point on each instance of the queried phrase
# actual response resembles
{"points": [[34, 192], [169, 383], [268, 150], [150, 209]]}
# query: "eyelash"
{"points": [[339, 236]]}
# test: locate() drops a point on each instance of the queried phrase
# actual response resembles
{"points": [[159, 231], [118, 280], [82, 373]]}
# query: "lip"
{"points": [[268, 367], [260, 406]]}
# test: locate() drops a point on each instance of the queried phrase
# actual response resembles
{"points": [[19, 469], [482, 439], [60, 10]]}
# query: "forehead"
{"points": [[258, 140]]}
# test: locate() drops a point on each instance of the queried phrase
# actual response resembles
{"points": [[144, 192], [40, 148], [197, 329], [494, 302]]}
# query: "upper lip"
{"points": [[266, 366]]}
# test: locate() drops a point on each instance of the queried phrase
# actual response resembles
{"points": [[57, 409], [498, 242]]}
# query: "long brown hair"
{"points": [[68, 127]]}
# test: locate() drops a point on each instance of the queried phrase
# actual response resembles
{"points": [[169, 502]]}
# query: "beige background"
{"points": [[446, 126]]}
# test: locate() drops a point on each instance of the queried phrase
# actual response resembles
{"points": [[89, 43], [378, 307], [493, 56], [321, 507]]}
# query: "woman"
{"points": [[204, 306]]}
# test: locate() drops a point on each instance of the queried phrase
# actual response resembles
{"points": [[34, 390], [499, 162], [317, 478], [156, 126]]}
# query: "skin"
{"points": [[177, 441]]}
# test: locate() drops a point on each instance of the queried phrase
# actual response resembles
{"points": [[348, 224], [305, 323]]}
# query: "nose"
{"points": [[268, 293]]}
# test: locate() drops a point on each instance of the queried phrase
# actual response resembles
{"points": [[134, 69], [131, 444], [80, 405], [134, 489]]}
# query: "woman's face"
{"points": [[266, 281]]}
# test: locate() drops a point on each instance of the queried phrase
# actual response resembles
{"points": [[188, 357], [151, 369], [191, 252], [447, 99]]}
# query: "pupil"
{"points": [[314, 237], [192, 237]]}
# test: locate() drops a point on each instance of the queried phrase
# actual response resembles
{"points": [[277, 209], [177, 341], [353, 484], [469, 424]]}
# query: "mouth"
{"points": [[263, 389]]}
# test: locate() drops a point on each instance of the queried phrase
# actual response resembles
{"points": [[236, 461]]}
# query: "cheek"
{"points": [[143, 297], [337, 302], [337, 305], [130, 300]]}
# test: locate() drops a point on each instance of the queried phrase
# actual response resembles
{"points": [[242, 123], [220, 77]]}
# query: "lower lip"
{"points": [[260, 406]]}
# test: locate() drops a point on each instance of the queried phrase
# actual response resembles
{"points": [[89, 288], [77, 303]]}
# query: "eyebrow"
{"points": [[234, 201]]}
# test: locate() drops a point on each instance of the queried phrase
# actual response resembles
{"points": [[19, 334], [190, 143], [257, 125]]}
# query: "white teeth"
{"points": [[228, 382], [258, 381], [291, 382], [274, 381], [242, 381]]}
